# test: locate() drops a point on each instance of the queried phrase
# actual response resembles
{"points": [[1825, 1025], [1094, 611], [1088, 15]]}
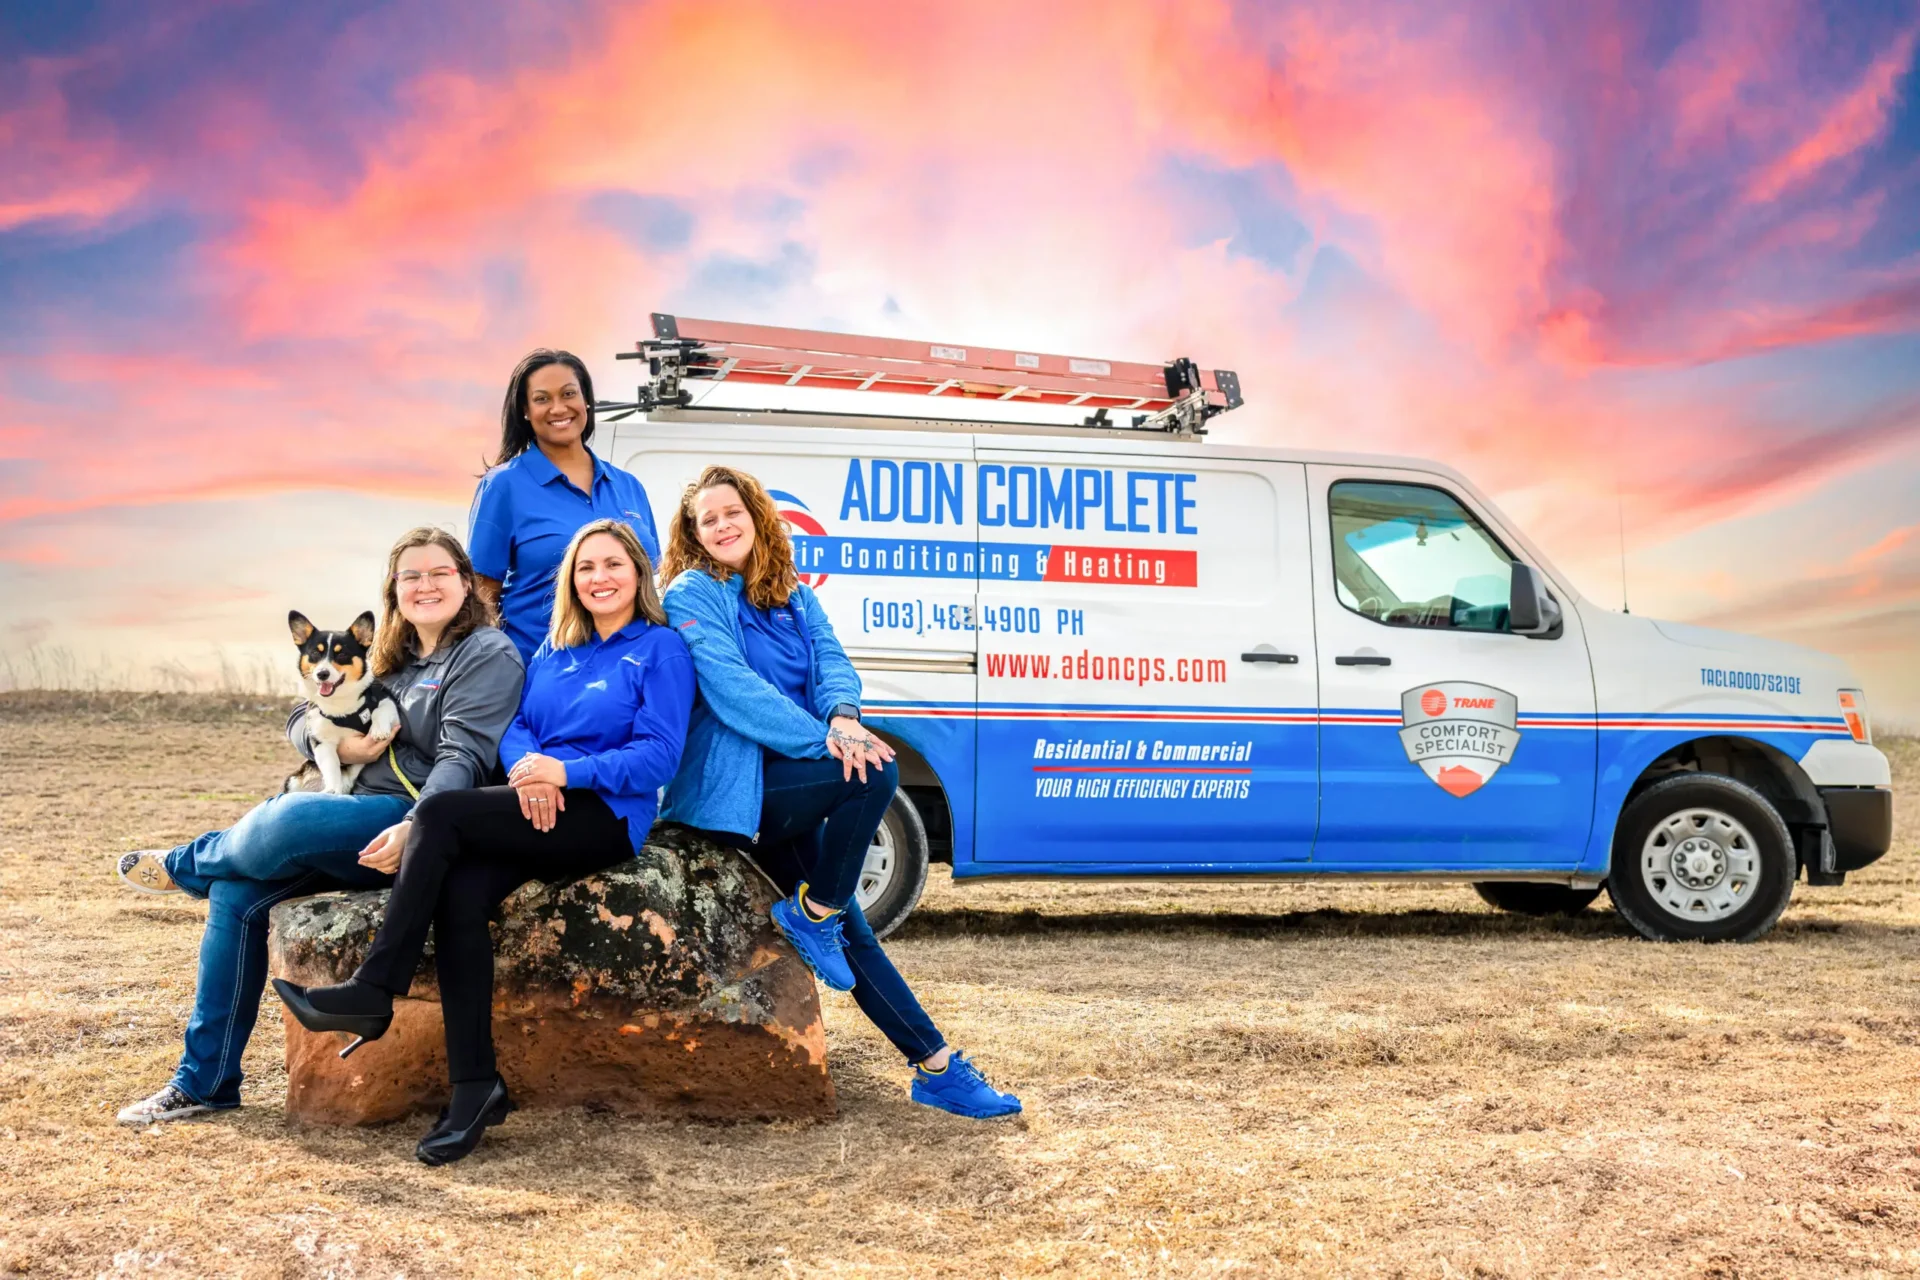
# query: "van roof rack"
{"points": [[1176, 398]]}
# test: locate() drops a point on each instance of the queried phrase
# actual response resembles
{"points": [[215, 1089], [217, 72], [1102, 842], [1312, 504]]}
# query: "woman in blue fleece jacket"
{"points": [[778, 764], [602, 721]]}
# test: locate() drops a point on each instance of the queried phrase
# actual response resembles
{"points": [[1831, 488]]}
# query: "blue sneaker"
{"points": [[962, 1090], [821, 944]]}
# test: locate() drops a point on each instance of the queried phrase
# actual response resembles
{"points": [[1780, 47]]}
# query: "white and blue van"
{"points": [[1112, 653]]}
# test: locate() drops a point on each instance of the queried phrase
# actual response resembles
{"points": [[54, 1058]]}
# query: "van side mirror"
{"points": [[1531, 608]]}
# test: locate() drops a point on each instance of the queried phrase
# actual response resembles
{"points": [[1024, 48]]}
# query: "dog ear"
{"points": [[362, 628], [301, 628]]}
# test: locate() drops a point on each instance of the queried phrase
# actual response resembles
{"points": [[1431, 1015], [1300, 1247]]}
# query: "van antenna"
{"points": [[1620, 516]]}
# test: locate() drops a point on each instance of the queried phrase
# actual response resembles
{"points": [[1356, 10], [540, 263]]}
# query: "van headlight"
{"points": [[1853, 709]]}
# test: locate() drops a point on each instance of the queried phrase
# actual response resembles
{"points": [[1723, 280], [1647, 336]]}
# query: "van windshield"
{"points": [[1411, 556]]}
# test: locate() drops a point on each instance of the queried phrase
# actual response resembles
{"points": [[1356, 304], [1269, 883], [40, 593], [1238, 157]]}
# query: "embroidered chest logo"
{"points": [[1459, 733]]}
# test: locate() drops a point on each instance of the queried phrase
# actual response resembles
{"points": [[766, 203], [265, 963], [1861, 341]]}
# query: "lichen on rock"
{"points": [[602, 985]]}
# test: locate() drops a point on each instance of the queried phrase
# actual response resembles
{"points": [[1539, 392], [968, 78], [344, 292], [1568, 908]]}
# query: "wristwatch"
{"points": [[846, 709]]}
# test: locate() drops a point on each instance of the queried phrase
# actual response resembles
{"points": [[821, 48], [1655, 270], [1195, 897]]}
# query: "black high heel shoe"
{"points": [[446, 1143], [361, 1026]]}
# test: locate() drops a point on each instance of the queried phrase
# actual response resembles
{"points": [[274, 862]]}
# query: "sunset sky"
{"points": [[264, 268]]}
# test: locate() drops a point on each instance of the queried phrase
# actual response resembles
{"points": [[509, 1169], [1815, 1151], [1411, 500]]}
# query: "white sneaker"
{"points": [[145, 871], [168, 1104]]}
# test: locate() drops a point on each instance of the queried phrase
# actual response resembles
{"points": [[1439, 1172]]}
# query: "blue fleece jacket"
{"points": [[615, 711], [738, 712]]}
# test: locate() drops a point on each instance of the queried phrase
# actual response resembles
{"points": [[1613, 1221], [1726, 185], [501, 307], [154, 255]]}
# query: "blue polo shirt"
{"points": [[524, 514], [615, 711], [777, 649]]}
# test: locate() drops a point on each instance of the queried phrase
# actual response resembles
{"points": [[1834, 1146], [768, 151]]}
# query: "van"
{"points": [[1107, 652]]}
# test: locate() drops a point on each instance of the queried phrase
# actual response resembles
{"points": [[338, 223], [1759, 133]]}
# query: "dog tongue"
{"points": [[326, 690]]}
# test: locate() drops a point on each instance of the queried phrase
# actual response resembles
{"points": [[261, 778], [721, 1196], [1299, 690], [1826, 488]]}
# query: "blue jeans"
{"points": [[288, 847], [283, 836], [816, 826]]}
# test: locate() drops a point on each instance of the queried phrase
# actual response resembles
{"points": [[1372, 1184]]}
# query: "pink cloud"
{"points": [[55, 170], [1848, 126]]}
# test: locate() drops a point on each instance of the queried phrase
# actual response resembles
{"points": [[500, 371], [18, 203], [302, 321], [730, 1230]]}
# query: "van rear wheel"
{"points": [[1535, 899], [895, 873], [1701, 857]]}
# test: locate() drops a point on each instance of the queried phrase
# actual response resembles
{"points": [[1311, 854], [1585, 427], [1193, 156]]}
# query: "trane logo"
{"points": [[1434, 702]]}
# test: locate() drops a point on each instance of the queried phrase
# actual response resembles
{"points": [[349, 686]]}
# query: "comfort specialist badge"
{"points": [[1458, 732]]}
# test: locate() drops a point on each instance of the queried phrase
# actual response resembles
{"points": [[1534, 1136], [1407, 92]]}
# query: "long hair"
{"points": [[397, 642], [769, 570], [572, 624], [516, 433]]}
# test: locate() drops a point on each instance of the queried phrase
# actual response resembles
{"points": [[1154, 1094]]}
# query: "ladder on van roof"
{"points": [[1176, 398]]}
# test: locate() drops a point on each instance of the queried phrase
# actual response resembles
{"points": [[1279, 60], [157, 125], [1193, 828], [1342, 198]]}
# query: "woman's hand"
{"points": [[540, 802], [541, 782], [534, 767], [383, 852], [363, 748], [849, 742]]}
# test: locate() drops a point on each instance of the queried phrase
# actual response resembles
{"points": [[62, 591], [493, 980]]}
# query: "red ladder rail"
{"points": [[683, 347]]}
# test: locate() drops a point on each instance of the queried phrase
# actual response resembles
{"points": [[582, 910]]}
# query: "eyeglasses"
{"points": [[408, 578]]}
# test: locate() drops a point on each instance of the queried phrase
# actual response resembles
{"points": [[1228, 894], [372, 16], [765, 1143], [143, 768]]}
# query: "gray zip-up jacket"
{"points": [[455, 704]]}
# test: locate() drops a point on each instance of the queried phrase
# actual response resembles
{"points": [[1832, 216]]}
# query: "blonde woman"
{"points": [[779, 765], [601, 725]]}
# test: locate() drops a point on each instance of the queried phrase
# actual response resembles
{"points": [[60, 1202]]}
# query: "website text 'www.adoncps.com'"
{"points": [[1087, 665]]}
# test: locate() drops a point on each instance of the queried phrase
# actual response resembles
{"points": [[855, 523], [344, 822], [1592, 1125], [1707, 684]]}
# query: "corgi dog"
{"points": [[343, 699]]}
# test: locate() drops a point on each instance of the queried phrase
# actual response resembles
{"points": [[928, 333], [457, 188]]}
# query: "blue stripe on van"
{"points": [[1612, 720]]}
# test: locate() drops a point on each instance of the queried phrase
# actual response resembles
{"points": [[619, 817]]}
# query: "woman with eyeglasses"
{"points": [[543, 485], [457, 680]]}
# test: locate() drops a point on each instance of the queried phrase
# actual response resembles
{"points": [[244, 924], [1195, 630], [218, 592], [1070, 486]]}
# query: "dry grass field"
{"points": [[1220, 1080]]}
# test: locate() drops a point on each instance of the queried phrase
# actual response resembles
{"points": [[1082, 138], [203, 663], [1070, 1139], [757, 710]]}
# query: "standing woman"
{"points": [[778, 764], [600, 729], [457, 680], [542, 487]]}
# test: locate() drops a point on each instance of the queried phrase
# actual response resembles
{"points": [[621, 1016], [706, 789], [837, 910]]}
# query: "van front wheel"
{"points": [[1535, 899], [1701, 857], [895, 873]]}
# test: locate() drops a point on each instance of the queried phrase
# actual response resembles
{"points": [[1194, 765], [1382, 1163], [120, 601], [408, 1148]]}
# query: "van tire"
{"points": [[904, 836], [1738, 830], [1527, 899]]}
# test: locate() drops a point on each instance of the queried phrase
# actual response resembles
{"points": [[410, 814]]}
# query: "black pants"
{"points": [[468, 850]]}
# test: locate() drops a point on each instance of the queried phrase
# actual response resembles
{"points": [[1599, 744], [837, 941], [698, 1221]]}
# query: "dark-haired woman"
{"points": [[457, 680], [544, 484], [778, 764], [600, 730]]}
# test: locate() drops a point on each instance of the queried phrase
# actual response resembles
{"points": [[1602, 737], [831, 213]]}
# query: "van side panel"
{"points": [[933, 714], [1661, 684]]}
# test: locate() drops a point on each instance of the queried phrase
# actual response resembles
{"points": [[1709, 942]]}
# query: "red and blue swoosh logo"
{"points": [[799, 520]]}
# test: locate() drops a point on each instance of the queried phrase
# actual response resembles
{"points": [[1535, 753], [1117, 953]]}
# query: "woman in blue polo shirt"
{"points": [[542, 487], [602, 722]]}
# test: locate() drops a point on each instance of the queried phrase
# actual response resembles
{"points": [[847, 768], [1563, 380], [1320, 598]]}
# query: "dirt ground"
{"points": [[1219, 1079]]}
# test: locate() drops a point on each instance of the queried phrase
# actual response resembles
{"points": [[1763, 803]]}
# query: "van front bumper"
{"points": [[1860, 822]]}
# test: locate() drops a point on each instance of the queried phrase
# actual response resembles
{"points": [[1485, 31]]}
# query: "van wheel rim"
{"points": [[876, 873], [1700, 864]]}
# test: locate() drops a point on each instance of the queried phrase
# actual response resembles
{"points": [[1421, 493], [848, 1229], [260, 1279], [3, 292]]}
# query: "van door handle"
{"points": [[1362, 660], [1268, 655]]}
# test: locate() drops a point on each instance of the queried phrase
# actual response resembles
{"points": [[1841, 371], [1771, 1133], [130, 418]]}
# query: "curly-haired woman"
{"points": [[778, 764]]}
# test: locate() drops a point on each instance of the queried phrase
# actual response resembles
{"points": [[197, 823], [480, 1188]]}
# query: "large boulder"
{"points": [[656, 988]]}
